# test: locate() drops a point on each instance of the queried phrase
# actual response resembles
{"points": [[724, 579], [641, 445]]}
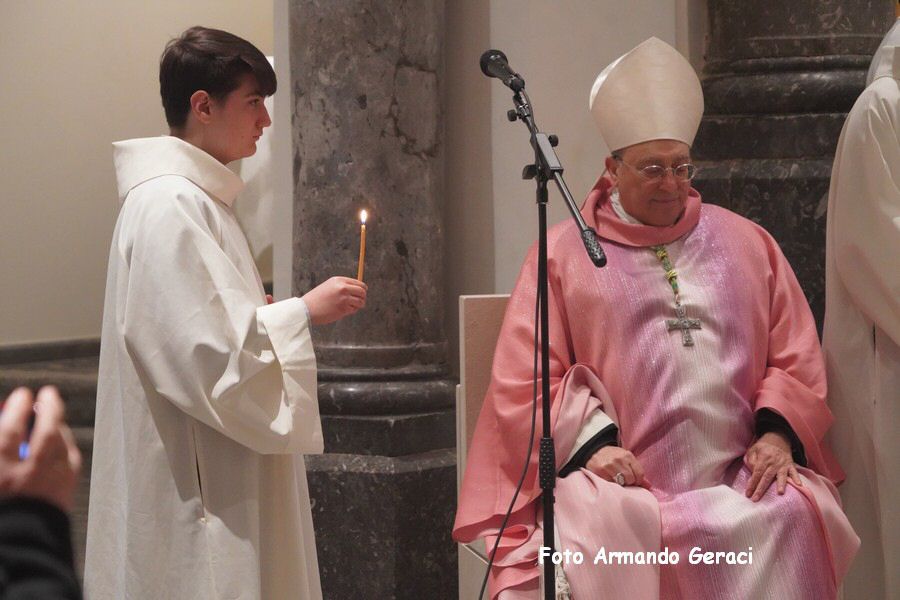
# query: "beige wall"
{"points": [[75, 76], [692, 30], [468, 198], [282, 160]]}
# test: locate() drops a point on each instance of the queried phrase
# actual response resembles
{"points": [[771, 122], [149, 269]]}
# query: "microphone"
{"points": [[495, 64]]}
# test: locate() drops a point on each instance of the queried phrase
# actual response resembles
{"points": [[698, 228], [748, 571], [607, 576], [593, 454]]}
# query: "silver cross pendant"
{"points": [[684, 324]]}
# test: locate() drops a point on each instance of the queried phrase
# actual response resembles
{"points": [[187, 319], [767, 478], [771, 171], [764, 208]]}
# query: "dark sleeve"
{"points": [[608, 436], [35, 552], [770, 421]]}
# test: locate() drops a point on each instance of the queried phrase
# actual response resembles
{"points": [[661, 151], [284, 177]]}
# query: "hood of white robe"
{"points": [[142, 159], [886, 61]]}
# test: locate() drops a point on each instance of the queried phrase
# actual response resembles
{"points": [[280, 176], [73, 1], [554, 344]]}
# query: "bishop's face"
{"points": [[658, 202], [236, 122]]}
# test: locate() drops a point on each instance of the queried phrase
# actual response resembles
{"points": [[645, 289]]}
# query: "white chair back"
{"points": [[480, 318]]}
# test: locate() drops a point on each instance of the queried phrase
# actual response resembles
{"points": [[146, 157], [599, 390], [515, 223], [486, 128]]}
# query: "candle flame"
{"points": [[363, 215]]}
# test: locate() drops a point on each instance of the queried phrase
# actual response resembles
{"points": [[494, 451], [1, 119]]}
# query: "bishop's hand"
{"points": [[769, 459], [609, 461]]}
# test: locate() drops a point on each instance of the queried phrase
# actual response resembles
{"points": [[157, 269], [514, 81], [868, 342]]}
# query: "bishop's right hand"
{"points": [[335, 299], [609, 461]]}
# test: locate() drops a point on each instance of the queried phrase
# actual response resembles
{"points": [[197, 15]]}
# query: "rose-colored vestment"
{"points": [[687, 414]]}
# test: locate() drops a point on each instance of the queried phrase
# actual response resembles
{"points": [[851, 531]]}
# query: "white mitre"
{"points": [[649, 93]]}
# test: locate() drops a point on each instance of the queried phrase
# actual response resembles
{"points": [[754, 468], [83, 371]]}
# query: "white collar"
{"points": [[619, 209], [142, 159]]}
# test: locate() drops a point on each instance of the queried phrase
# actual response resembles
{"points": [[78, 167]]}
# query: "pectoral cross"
{"points": [[684, 324]]}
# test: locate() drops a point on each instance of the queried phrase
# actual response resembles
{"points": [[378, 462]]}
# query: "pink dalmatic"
{"points": [[686, 412]]}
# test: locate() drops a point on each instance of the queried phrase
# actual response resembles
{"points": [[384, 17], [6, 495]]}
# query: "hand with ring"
{"points": [[618, 465]]}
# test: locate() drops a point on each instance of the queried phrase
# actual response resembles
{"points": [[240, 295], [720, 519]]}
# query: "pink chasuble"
{"points": [[686, 412]]}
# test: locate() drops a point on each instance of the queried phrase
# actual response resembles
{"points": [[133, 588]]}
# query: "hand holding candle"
{"points": [[339, 297], [363, 215]]}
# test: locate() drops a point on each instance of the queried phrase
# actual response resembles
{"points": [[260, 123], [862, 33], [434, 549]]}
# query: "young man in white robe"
{"points": [[862, 322], [207, 393]]}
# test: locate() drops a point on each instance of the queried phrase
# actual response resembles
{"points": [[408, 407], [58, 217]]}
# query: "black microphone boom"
{"points": [[495, 64]]}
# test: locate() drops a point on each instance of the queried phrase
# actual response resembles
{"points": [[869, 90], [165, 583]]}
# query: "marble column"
{"points": [[779, 80], [367, 133]]}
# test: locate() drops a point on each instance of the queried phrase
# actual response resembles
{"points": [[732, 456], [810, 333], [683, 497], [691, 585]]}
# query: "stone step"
{"points": [[76, 379]]}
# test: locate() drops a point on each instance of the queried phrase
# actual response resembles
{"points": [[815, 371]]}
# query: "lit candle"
{"points": [[363, 215]]}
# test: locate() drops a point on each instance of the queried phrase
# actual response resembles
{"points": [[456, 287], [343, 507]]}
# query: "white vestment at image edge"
{"points": [[206, 399], [862, 323]]}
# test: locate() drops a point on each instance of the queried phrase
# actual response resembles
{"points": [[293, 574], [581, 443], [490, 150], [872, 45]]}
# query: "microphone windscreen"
{"points": [[488, 57]]}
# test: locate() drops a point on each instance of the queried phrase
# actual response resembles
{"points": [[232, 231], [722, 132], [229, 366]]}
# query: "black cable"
{"points": [[534, 379]]}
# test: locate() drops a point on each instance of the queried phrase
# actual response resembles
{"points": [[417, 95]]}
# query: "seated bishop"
{"points": [[688, 387]]}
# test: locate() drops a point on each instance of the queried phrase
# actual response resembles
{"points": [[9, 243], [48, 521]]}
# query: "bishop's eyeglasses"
{"points": [[655, 173]]}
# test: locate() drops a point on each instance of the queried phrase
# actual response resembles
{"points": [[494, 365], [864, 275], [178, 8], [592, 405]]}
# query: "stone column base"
{"points": [[383, 525]]}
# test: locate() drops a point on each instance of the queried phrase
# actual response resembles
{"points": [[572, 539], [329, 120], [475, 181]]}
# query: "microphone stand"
{"points": [[547, 166]]}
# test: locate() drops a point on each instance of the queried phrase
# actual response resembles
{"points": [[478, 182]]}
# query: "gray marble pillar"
{"points": [[779, 80], [367, 133]]}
